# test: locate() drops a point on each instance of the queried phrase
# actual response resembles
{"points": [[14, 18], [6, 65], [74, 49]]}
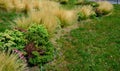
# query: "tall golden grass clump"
{"points": [[28, 6], [36, 4], [104, 7], [49, 20], [22, 23], [47, 13], [19, 5], [66, 17], [86, 12], [10, 62], [6, 5], [49, 5]]}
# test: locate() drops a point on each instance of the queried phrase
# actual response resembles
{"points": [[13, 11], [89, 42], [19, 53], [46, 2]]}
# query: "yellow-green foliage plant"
{"points": [[11, 62], [86, 12], [104, 8]]}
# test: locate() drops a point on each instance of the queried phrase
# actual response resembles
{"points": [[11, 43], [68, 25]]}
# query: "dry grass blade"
{"points": [[10, 62]]}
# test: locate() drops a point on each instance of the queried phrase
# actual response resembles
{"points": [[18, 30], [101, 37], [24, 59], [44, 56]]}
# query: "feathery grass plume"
{"points": [[6, 5], [22, 23], [66, 17], [11, 62], [48, 5], [19, 5], [46, 18], [36, 4], [104, 7], [49, 20], [86, 12], [28, 6]]}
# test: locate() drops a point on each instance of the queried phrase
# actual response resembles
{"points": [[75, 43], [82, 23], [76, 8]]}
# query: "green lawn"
{"points": [[94, 46]]}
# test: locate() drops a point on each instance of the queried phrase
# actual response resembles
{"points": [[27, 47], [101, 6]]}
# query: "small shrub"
{"points": [[104, 8], [86, 12], [39, 49], [12, 39], [37, 33], [11, 62]]}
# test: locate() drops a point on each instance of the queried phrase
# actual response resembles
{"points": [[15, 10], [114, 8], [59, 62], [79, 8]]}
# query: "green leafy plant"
{"points": [[39, 49], [38, 34], [12, 39]]}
